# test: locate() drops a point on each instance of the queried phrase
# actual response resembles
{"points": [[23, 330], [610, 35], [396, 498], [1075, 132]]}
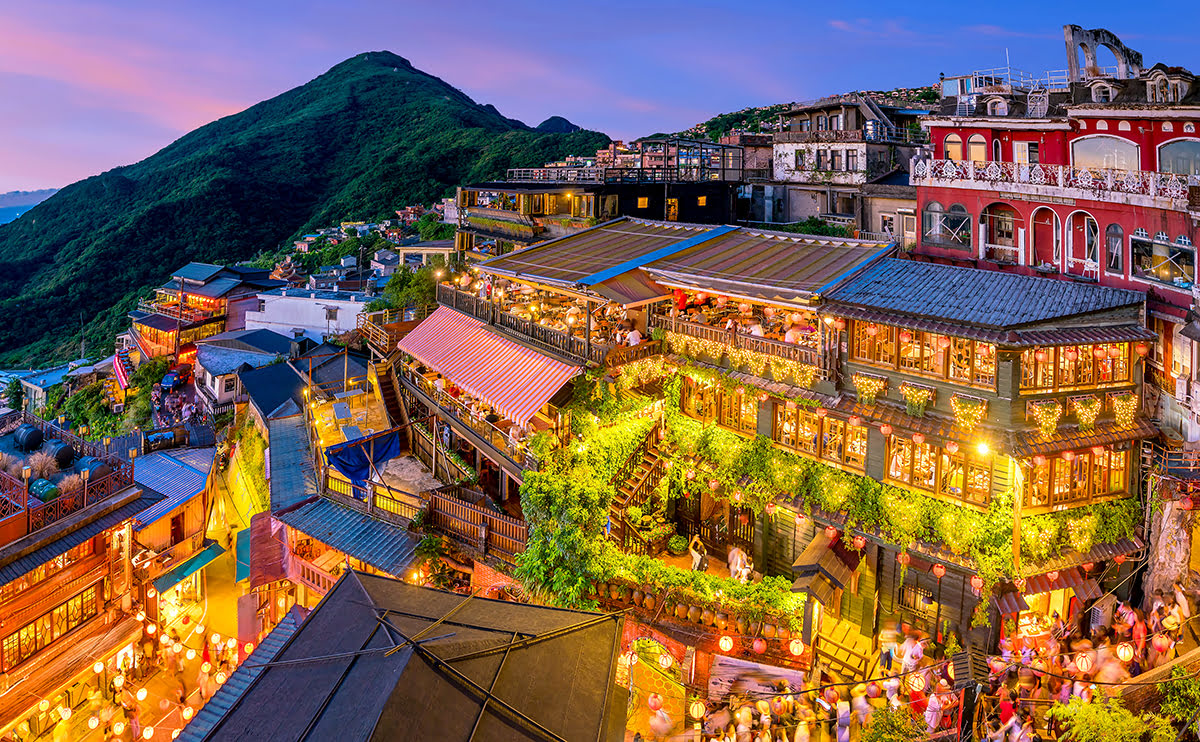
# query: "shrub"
{"points": [[43, 465]]}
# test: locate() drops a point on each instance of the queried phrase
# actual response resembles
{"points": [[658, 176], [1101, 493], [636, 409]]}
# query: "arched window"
{"points": [[947, 228], [1182, 157], [1104, 152], [953, 147], [998, 107], [1101, 94], [996, 151], [931, 220], [977, 148], [1114, 248]]}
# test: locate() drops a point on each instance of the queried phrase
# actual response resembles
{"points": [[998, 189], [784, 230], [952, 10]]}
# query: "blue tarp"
{"points": [[354, 458], [194, 564], [243, 555]]}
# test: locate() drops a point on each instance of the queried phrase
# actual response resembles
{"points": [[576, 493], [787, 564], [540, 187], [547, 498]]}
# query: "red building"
{"points": [[1089, 174]]}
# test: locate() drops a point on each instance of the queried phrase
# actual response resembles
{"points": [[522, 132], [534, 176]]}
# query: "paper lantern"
{"points": [[916, 682], [1114, 352], [976, 583], [855, 420], [1099, 352], [918, 438], [118, 681], [151, 628], [151, 593], [141, 616], [885, 429], [759, 646], [951, 447], [1161, 642], [905, 336], [1141, 349], [148, 733], [832, 696], [904, 558], [1040, 355], [1039, 460], [190, 654], [722, 301], [93, 722], [118, 728], [725, 643], [701, 297], [796, 318], [231, 643], [655, 702], [713, 484], [769, 312], [770, 508], [98, 668], [1052, 576], [220, 677], [1068, 455], [141, 694], [872, 330], [873, 690], [664, 661], [1120, 558], [796, 647], [1083, 662], [697, 710], [1124, 651], [761, 398], [943, 342], [744, 308], [1071, 354], [1098, 450], [1186, 503], [187, 712], [691, 475], [831, 533], [177, 648], [939, 571], [1087, 566], [206, 667], [860, 542], [43, 705], [821, 412], [839, 323], [800, 519]]}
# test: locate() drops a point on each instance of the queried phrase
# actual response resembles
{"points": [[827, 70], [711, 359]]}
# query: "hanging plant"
{"points": [[1046, 414], [968, 411], [1125, 408], [1087, 409], [803, 374], [869, 387], [916, 398]]}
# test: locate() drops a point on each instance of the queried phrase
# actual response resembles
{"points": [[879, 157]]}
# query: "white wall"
{"points": [[283, 313]]}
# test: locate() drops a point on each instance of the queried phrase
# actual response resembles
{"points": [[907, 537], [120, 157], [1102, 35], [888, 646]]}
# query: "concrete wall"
{"points": [[784, 163], [283, 313]]}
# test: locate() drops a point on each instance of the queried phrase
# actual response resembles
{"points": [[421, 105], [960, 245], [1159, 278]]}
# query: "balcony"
{"points": [[793, 352], [463, 514], [873, 132], [683, 173], [499, 224], [170, 308], [1132, 187]]}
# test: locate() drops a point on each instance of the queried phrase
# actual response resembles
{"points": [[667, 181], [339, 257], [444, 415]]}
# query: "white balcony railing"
{"points": [[1093, 182]]}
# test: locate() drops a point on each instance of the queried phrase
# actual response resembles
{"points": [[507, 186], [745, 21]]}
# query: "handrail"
{"points": [[766, 346], [1090, 180]]}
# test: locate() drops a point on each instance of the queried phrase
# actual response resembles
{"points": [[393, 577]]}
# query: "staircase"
{"points": [[635, 482], [843, 649], [124, 368], [389, 391]]}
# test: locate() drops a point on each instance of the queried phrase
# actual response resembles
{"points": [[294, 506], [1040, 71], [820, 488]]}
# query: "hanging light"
{"points": [[904, 558], [905, 336], [1098, 450], [190, 654], [1068, 455], [872, 330], [800, 519], [151, 593], [248, 647], [1071, 354], [1052, 576], [1114, 352], [141, 616], [1142, 349], [93, 722], [939, 571], [918, 438], [148, 733], [1041, 355], [821, 412], [976, 583], [1083, 662], [118, 681], [916, 681], [43, 705], [796, 647], [697, 709], [206, 667], [1039, 460], [839, 323], [216, 638], [759, 646], [982, 448], [885, 429], [1087, 566], [220, 678], [725, 643], [664, 661], [1125, 651], [118, 728], [943, 342], [141, 694], [1099, 352], [854, 420], [951, 447], [151, 628], [1120, 558], [187, 713], [873, 689], [860, 542], [177, 648], [831, 533], [98, 667], [655, 702], [1161, 643], [231, 643]]}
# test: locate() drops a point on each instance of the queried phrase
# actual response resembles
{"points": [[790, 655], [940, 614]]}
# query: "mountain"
{"points": [[557, 125], [15, 203], [370, 135]]}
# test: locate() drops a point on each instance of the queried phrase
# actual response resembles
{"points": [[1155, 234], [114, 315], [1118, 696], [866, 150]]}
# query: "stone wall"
{"points": [[1169, 550]]}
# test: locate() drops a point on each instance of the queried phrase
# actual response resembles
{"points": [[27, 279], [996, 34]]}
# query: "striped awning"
{"points": [[514, 379]]}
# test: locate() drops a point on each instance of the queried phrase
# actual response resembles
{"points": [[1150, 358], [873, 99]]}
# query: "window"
{"points": [[331, 314], [952, 145], [805, 125], [1160, 261], [952, 471], [887, 224], [1071, 367], [1101, 94], [977, 148], [230, 384], [643, 202], [40, 633], [702, 200], [998, 107], [822, 155], [738, 411], [45, 570], [1114, 248], [1088, 475], [821, 123], [1026, 153], [1181, 157], [925, 354], [800, 159], [951, 228], [835, 122], [697, 401], [835, 159], [826, 438], [852, 160], [262, 305], [996, 151], [1104, 152]]}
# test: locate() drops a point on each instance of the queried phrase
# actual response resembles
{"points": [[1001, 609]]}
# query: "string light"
{"points": [[1125, 408], [869, 387], [1087, 409], [1046, 414], [915, 398], [968, 411]]}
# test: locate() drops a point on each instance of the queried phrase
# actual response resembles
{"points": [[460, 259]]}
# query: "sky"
{"points": [[87, 86]]}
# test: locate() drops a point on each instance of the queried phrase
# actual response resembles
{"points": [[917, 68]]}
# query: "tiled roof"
{"points": [[1033, 442], [771, 266], [388, 548], [991, 299]]}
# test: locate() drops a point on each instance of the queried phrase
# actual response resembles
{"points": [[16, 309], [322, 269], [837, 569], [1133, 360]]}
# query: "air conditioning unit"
{"points": [[118, 408]]}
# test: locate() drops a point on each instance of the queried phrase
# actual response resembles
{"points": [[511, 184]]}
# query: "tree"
{"points": [[431, 229], [1106, 720], [889, 724], [14, 394], [1181, 696]]}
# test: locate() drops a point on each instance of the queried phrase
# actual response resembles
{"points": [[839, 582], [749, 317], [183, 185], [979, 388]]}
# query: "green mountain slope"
{"points": [[370, 135]]}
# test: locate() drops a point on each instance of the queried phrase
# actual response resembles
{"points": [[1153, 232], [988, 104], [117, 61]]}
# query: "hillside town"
{"points": [[875, 411]]}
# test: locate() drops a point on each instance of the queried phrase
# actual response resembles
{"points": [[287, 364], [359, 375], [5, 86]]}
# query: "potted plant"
{"points": [[677, 545]]}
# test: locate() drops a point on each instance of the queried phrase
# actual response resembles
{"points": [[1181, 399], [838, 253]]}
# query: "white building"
{"points": [[311, 313]]}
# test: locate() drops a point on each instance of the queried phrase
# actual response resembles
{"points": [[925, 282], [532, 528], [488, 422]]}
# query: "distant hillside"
{"points": [[371, 134], [15, 203]]}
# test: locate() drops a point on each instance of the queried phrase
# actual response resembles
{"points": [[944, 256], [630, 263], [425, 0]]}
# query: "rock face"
{"points": [[1169, 550]]}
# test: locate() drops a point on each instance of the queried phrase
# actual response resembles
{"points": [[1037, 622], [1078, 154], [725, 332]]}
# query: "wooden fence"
{"points": [[491, 532]]}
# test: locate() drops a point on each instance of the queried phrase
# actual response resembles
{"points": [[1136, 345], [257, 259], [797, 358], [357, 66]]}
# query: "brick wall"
{"points": [[1148, 697]]}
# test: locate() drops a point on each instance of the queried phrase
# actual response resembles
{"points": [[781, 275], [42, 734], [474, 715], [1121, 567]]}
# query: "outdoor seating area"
{"points": [[347, 416], [786, 325]]}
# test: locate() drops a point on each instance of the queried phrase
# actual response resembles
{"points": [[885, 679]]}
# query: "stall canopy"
{"points": [[1074, 578], [186, 569], [514, 379], [355, 459]]}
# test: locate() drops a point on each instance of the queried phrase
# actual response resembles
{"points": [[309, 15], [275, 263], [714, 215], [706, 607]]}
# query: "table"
{"points": [[351, 432], [341, 411]]}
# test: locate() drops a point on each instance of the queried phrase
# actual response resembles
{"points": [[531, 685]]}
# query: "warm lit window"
{"points": [[874, 344], [1075, 367], [977, 148], [925, 466], [697, 400], [702, 200], [40, 633], [953, 147], [1055, 481], [829, 439], [738, 411], [643, 202], [925, 354]]}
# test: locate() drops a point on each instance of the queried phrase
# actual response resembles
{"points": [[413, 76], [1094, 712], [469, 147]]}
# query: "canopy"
{"points": [[514, 379], [355, 459], [186, 569]]}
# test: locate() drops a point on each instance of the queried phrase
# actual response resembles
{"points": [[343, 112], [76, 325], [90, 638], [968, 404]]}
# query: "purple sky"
{"points": [[86, 86]]}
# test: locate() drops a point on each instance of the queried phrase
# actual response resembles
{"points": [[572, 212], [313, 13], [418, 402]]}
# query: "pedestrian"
{"points": [[205, 654], [698, 553], [135, 721], [203, 682]]}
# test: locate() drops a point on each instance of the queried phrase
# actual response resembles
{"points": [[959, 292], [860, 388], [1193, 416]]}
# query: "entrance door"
{"points": [[176, 529], [672, 209], [1045, 238]]}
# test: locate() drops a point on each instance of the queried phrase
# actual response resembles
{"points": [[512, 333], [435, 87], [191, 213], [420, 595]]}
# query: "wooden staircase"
{"points": [[635, 482], [388, 386], [843, 649]]}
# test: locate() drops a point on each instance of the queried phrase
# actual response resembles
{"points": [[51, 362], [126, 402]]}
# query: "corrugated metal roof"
{"points": [[215, 288], [292, 476], [385, 547], [219, 361], [177, 476], [771, 266], [197, 271], [227, 695], [157, 321], [631, 288], [571, 259], [993, 299], [18, 567]]}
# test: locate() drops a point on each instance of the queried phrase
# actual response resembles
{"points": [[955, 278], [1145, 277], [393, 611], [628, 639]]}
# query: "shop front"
{"points": [[177, 596], [1037, 610]]}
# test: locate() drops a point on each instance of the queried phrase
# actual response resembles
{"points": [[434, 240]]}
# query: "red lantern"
{"points": [[905, 336], [1120, 558], [976, 583], [1087, 566], [839, 323], [759, 646], [904, 558], [791, 404], [1142, 349], [1068, 455], [1052, 576], [743, 519], [821, 412], [1098, 450], [860, 542], [763, 397], [713, 484], [918, 438], [725, 643], [691, 474], [885, 429], [855, 420], [1114, 351], [1161, 642], [1071, 354], [831, 533], [770, 508], [939, 571], [916, 682], [1099, 352], [943, 342], [737, 496], [800, 519], [1039, 460], [872, 690], [1041, 355], [952, 447], [655, 702], [872, 330], [1186, 503]]}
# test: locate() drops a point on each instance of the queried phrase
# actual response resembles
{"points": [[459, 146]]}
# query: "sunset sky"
{"points": [[86, 86]]}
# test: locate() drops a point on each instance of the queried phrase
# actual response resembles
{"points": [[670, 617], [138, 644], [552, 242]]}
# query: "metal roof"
{"points": [[271, 386], [293, 479], [385, 547], [62, 545], [197, 271], [771, 266], [178, 477], [994, 299], [228, 694], [215, 288], [219, 361], [575, 258], [157, 321], [260, 341]]}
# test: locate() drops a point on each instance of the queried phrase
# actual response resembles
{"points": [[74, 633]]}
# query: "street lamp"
{"points": [[85, 474]]}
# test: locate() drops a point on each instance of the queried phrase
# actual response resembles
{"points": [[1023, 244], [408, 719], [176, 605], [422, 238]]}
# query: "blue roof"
{"points": [[384, 546], [228, 695], [48, 377], [242, 551], [293, 479], [187, 568], [262, 341], [270, 387], [179, 475], [38, 557], [220, 361], [197, 271]]}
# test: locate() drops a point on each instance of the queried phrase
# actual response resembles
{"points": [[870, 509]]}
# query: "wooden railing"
{"points": [[765, 346], [631, 463], [373, 499], [172, 310], [852, 664], [372, 326], [621, 355], [313, 577], [491, 532]]}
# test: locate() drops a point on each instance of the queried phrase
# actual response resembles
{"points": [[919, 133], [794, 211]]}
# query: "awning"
{"points": [[242, 550], [1074, 578], [514, 379], [817, 586], [194, 564], [821, 557], [157, 321], [632, 289], [1010, 603]]}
